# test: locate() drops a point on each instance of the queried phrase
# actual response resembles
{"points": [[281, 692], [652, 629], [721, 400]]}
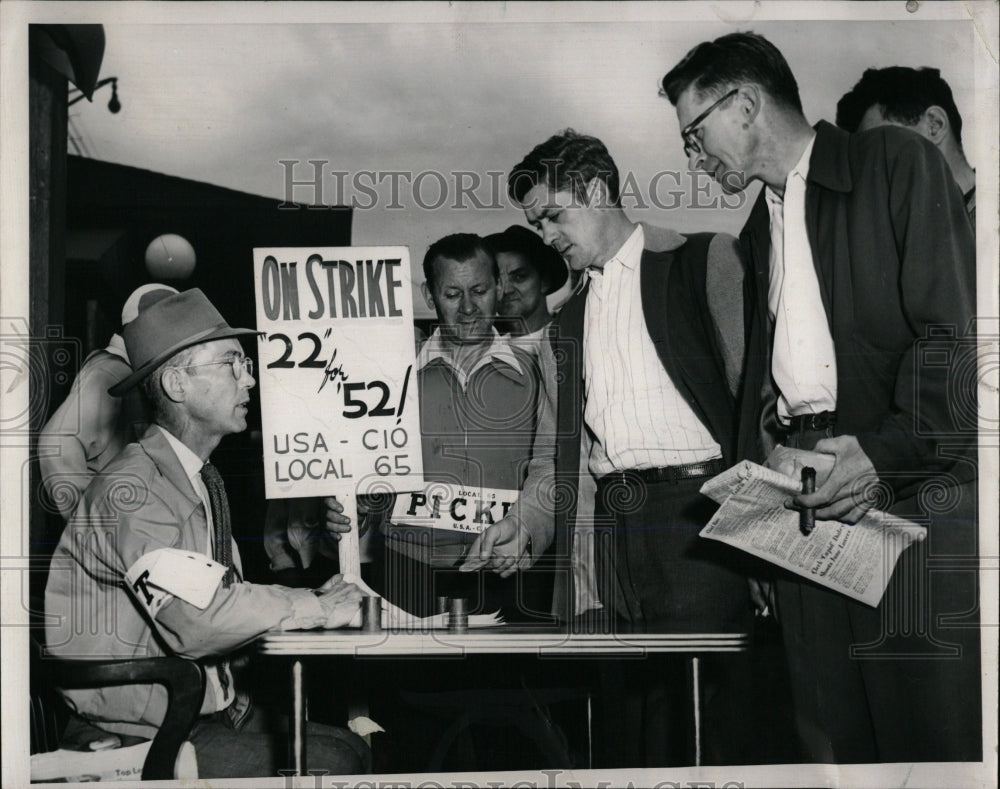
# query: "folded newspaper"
{"points": [[395, 618], [856, 560]]}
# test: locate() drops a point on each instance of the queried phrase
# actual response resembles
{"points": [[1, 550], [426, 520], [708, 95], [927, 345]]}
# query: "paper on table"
{"points": [[856, 560], [395, 618]]}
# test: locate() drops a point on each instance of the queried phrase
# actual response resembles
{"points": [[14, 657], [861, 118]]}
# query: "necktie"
{"points": [[237, 713], [221, 520]]}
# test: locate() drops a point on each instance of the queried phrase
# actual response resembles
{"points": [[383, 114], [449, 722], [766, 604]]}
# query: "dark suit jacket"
{"points": [[683, 323], [895, 257]]}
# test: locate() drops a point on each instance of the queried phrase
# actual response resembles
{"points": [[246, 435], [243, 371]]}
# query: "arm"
{"points": [[82, 426], [724, 289], [146, 552], [504, 546], [937, 283]]}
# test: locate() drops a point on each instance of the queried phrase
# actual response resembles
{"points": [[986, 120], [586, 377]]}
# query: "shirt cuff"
{"points": [[307, 611]]}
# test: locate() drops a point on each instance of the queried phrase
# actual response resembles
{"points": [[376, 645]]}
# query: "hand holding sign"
{"points": [[339, 410]]}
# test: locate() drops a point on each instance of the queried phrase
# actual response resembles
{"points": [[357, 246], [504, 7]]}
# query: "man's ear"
{"points": [[428, 297], [597, 193], [935, 123], [749, 98], [173, 384]]}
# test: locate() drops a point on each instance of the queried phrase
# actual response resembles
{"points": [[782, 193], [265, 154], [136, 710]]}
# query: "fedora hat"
{"points": [[540, 256], [168, 326]]}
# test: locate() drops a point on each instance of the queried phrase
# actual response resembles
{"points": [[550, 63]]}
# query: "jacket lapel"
{"points": [[155, 444], [830, 171]]}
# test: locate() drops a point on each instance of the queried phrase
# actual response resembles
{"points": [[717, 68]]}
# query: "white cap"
{"points": [[142, 297]]}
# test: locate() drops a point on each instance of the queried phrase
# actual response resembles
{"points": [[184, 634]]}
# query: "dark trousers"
{"points": [[258, 750], [654, 569], [655, 572], [900, 682]]}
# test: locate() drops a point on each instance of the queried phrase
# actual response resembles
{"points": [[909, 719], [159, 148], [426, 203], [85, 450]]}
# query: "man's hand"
{"points": [[843, 493], [503, 547], [762, 596], [341, 601], [336, 522]]}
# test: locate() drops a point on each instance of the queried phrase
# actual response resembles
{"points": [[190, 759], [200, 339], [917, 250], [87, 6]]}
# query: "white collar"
{"points": [[190, 462], [116, 346], [628, 255], [436, 348], [800, 169]]}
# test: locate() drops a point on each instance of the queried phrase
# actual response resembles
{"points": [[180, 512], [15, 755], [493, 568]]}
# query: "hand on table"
{"points": [[340, 599], [504, 547]]}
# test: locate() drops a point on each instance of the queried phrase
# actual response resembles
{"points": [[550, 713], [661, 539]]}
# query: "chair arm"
{"points": [[185, 684]]}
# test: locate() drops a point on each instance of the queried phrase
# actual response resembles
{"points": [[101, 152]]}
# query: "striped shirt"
{"points": [[639, 418]]}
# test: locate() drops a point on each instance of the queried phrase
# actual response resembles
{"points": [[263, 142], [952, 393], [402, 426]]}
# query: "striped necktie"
{"points": [[220, 520], [240, 710]]}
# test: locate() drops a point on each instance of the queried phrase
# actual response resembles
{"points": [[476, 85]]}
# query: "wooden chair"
{"points": [[183, 679]]}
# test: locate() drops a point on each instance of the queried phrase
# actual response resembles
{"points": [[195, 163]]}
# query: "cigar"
{"points": [[807, 515]]}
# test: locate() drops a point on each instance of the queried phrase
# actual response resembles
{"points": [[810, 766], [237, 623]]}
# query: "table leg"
{"points": [[297, 729], [694, 680]]}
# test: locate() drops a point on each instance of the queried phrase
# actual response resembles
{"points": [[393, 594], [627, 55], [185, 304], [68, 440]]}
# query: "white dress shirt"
{"points": [[638, 416], [803, 360]]}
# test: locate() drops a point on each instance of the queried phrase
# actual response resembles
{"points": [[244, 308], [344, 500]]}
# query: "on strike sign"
{"points": [[337, 382]]}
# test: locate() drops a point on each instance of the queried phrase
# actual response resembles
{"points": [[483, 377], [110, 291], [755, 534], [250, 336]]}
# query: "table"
{"points": [[549, 641]]}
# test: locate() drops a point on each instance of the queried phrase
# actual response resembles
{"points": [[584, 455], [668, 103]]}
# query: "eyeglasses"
{"points": [[692, 145], [237, 364]]}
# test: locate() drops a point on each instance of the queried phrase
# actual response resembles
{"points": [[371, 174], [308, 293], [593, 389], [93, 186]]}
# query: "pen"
{"points": [[807, 515]]}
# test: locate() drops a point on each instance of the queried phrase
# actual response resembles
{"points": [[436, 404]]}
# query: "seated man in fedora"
{"points": [[147, 566]]}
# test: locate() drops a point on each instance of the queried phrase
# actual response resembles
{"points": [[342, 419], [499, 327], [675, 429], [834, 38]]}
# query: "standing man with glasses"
{"points": [[147, 565], [860, 286]]}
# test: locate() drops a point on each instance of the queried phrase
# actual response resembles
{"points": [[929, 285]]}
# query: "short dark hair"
{"points": [[567, 161], [714, 67], [549, 264], [458, 246], [902, 93]]}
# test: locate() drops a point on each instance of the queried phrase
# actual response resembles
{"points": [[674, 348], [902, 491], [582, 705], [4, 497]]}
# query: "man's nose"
{"points": [[468, 306], [548, 235]]}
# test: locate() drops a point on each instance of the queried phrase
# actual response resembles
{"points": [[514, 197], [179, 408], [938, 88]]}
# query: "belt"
{"points": [[665, 474], [804, 422]]}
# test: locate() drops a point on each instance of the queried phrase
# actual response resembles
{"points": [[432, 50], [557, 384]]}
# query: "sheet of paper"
{"points": [[856, 560]]}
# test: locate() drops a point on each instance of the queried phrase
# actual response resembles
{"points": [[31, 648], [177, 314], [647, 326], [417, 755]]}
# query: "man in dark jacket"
{"points": [[644, 352], [860, 287]]}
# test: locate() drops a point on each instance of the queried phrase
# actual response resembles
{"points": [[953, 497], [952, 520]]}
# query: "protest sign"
{"points": [[336, 371], [453, 507]]}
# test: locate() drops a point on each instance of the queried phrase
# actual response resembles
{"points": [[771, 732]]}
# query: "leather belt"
{"points": [[804, 422], [709, 468]]}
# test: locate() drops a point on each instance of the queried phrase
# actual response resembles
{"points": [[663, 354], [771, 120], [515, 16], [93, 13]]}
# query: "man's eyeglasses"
{"points": [[237, 364], [692, 145]]}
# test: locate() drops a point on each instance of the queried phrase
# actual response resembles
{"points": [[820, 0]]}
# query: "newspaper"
{"points": [[855, 560]]}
